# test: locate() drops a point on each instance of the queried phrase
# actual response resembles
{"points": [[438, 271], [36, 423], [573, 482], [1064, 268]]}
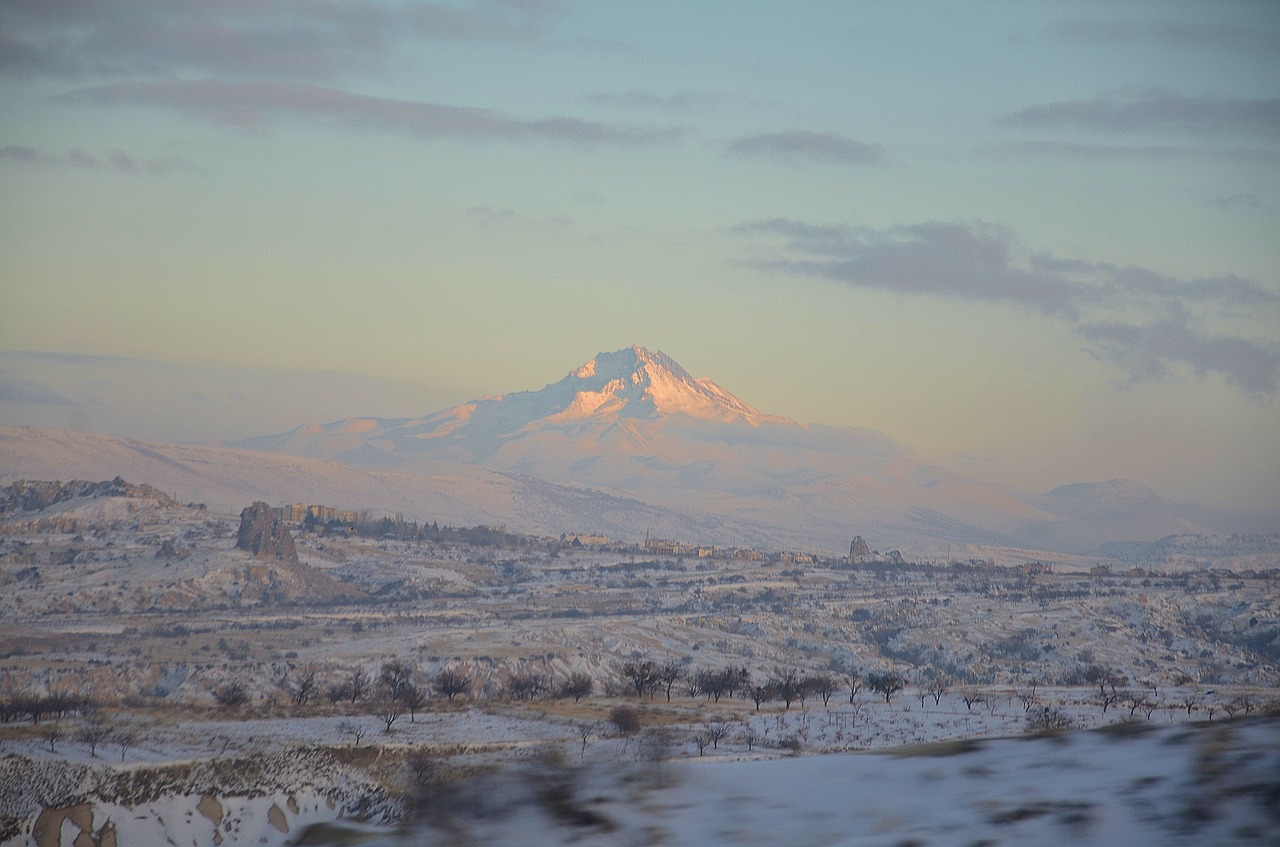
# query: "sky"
{"points": [[1032, 242]]}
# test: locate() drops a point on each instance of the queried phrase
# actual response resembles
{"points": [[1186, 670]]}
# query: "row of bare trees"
{"points": [[648, 677]]}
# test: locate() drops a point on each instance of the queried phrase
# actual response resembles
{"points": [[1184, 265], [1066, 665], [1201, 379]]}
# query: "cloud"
{"points": [[979, 262], [683, 101], [504, 20], [1171, 34], [1156, 110], [1151, 351], [112, 160], [1115, 152], [800, 145], [315, 40], [1245, 200], [255, 104], [489, 219]]}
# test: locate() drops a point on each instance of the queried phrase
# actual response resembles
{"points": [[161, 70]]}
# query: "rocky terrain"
{"points": [[136, 628]]}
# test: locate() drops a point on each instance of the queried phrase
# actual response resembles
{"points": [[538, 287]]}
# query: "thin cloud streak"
{"points": [[977, 262], [827, 148], [252, 105], [112, 160], [680, 102], [1115, 152], [1245, 200], [1171, 33], [1155, 110]]}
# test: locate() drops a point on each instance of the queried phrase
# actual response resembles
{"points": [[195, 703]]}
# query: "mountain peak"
{"points": [[644, 383]]}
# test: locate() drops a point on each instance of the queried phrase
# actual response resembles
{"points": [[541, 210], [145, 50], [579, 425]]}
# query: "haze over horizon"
{"points": [[1031, 242]]}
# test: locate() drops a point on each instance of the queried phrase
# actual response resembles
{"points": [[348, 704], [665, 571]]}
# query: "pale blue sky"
{"points": [[1032, 241]]}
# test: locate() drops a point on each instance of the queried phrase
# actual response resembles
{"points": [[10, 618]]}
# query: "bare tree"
{"points": [[389, 710], [357, 684], [1109, 697], [971, 697], [577, 686], [749, 736], [717, 732], [94, 731], [413, 698], [701, 738], [394, 677], [855, 685], [585, 731], [711, 683], [735, 679], [643, 676], [886, 683], [355, 730], [824, 685], [304, 686], [1135, 700], [1190, 701], [451, 682], [124, 738], [786, 687], [1027, 697], [668, 674], [526, 685], [52, 733], [761, 693], [937, 687]]}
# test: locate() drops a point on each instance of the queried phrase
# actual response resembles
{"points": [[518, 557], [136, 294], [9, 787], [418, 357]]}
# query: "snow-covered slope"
{"points": [[455, 494], [634, 422]]}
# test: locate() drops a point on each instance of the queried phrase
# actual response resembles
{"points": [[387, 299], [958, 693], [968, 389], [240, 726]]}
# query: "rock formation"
{"points": [[858, 547], [265, 535], [32, 495]]}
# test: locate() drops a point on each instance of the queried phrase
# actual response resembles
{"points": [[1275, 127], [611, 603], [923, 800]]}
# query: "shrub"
{"points": [[626, 719]]}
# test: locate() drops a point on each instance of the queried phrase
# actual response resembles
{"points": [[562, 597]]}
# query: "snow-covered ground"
{"points": [[1131, 784]]}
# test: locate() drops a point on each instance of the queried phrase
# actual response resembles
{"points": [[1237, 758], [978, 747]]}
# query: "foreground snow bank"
{"points": [[1130, 784]]}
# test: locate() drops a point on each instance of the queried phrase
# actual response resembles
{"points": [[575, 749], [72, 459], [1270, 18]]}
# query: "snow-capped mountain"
{"points": [[634, 423], [629, 443]]}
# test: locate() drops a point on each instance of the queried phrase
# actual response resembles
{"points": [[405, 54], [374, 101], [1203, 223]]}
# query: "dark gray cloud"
{"points": [[1157, 110], [255, 104], [1117, 152], [799, 145], [1151, 351], [979, 262], [316, 40], [1172, 34], [111, 160], [949, 259]]}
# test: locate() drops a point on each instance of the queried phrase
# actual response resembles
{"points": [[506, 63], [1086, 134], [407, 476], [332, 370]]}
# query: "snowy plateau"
{"points": [[620, 610]]}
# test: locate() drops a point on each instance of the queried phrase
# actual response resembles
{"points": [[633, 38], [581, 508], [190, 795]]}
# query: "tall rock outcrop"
{"points": [[265, 535]]}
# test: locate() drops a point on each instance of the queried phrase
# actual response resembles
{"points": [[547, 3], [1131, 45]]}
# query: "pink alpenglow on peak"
{"points": [[640, 383]]}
